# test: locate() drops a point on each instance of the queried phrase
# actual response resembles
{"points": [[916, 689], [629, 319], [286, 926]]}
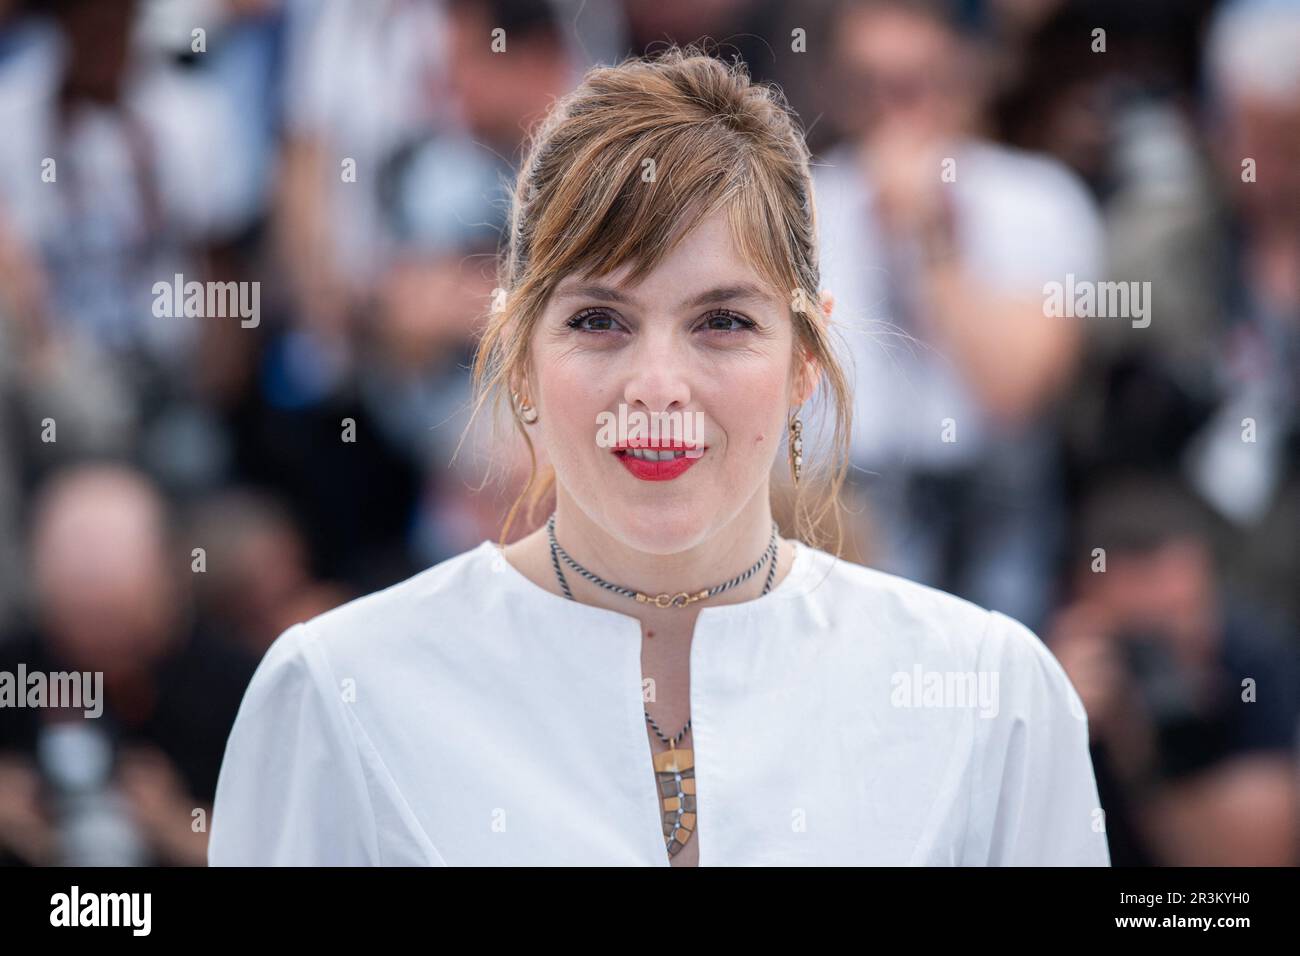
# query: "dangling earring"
{"points": [[527, 414], [796, 450]]}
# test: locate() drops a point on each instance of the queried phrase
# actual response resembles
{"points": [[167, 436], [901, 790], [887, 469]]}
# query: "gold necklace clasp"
{"points": [[680, 599]]}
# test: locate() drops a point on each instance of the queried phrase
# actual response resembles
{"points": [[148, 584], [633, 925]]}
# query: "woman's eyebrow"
{"points": [[742, 291], [593, 292], [725, 293]]}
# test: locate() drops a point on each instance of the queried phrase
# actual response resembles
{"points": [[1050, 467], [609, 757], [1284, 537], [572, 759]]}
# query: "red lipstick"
{"points": [[663, 470]]}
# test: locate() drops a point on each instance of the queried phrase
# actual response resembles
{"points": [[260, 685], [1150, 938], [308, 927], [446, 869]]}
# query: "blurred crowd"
{"points": [[176, 489]]}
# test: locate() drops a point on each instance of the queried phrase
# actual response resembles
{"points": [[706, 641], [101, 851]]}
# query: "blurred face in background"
{"points": [[899, 71], [1266, 129], [682, 19], [1252, 56], [502, 94], [104, 587], [1168, 591], [428, 306], [730, 361]]}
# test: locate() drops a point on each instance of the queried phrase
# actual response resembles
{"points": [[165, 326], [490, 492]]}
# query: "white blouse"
{"points": [[467, 716]]}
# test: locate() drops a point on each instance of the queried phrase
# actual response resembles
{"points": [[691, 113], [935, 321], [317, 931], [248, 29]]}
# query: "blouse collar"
{"points": [[794, 584]]}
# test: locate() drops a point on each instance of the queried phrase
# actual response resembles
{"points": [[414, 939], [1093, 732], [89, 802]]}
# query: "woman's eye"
{"points": [[723, 321], [599, 321]]}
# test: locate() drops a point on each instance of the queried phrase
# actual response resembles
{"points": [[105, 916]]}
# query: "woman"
{"points": [[654, 676]]}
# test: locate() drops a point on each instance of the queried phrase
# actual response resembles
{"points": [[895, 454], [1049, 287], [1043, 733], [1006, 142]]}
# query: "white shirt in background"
{"points": [[1021, 220]]}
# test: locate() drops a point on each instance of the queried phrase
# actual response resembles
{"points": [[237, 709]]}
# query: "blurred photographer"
{"points": [[133, 784], [1193, 700]]}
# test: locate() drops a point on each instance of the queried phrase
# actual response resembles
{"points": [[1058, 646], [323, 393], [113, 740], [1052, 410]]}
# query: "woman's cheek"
{"points": [[765, 408], [572, 414]]}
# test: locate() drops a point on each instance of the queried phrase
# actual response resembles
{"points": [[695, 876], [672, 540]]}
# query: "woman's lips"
{"points": [[665, 470]]}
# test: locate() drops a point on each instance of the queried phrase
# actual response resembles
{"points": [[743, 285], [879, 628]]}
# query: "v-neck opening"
{"points": [[708, 619]]}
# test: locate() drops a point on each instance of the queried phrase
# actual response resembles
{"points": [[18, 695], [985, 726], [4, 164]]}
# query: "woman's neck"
{"points": [[729, 551]]}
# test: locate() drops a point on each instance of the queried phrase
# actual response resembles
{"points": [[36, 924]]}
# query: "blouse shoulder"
{"points": [[1034, 798], [352, 629], [292, 789], [895, 608], [920, 618]]}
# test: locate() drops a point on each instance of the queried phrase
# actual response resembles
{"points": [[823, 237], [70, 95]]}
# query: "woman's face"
{"points": [[703, 336]]}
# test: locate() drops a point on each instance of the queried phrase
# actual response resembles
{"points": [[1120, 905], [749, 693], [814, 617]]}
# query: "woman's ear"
{"points": [[807, 369], [807, 372], [519, 386]]}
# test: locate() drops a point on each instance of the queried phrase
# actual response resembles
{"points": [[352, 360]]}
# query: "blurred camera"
{"points": [[1189, 730]]}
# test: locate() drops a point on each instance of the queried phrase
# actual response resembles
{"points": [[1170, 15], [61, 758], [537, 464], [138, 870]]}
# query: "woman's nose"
{"points": [[658, 377]]}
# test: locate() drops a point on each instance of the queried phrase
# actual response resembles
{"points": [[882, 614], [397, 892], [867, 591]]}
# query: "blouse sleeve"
{"points": [[292, 791], [1035, 799]]}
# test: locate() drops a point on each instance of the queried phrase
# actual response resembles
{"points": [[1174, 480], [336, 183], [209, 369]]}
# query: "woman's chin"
{"points": [[656, 529]]}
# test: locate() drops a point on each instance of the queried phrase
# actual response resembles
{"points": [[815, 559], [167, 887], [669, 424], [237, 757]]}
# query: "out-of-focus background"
{"points": [[176, 490]]}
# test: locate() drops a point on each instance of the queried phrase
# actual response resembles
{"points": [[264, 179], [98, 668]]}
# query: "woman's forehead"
{"points": [[703, 268]]}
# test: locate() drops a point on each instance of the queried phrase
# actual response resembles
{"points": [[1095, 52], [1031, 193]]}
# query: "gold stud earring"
{"points": [[796, 450]]}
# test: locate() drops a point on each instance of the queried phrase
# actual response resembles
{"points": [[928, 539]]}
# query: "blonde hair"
{"points": [[580, 205]]}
